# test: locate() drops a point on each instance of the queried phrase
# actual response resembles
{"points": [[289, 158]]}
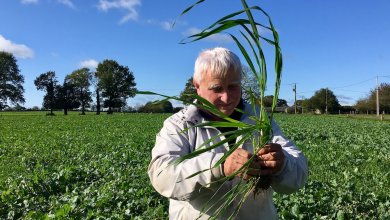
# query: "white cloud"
{"points": [[166, 25], [128, 5], [68, 3], [91, 64], [29, 1], [220, 38], [18, 50]]}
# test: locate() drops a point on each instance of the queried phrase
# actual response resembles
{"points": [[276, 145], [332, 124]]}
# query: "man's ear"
{"points": [[196, 84]]}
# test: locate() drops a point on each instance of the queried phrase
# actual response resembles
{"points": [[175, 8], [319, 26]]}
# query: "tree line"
{"points": [[323, 101], [113, 84]]}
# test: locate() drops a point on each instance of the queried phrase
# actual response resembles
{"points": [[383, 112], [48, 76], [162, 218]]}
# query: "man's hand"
{"points": [[272, 159], [237, 159]]}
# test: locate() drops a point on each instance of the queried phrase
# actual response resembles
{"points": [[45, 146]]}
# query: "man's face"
{"points": [[224, 93]]}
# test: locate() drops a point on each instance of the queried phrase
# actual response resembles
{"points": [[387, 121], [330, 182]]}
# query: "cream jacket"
{"points": [[188, 196]]}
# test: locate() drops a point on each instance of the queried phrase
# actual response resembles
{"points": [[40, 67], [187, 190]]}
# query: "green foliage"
{"points": [[76, 167], [349, 168], [47, 82], [11, 81], [116, 83], [369, 104], [365, 105], [65, 97], [384, 97], [322, 99], [268, 100], [63, 173], [73, 93], [81, 80]]}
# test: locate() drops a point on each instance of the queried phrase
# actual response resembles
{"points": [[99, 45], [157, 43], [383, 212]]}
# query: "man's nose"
{"points": [[225, 96]]}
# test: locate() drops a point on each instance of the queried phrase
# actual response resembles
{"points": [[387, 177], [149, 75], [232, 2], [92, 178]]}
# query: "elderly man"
{"points": [[217, 78]]}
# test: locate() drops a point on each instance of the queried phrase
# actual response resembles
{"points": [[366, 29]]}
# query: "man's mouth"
{"points": [[225, 106]]}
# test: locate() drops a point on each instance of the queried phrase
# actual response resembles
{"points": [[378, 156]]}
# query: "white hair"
{"points": [[218, 61]]}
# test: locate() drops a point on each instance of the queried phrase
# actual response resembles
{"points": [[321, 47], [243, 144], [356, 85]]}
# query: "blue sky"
{"points": [[342, 45]]}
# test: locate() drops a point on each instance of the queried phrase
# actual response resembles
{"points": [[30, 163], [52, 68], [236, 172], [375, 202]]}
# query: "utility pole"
{"points": [[295, 98], [377, 97]]}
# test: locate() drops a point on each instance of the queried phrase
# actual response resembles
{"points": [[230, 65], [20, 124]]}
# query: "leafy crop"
{"points": [[91, 167], [81, 167], [349, 165]]}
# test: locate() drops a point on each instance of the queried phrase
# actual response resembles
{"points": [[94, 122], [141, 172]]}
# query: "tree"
{"points": [[116, 83], [365, 105], [47, 82], [323, 100], [369, 103], [269, 99], [299, 102], [81, 80], [384, 97], [62, 97], [11, 88], [189, 89], [65, 97]]}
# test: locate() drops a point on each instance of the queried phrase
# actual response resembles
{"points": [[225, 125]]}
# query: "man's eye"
{"points": [[217, 89]]}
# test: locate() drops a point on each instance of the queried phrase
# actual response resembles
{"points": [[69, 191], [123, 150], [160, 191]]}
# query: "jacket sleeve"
{"points": [[170, 180], [295, 172]]}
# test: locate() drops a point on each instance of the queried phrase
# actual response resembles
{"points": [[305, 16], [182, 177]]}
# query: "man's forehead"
{"points": [[228, 79], [217, 82], [223, 77]]}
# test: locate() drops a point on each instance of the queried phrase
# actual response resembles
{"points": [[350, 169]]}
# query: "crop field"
{"points": [[91, 167], [349, 163]]}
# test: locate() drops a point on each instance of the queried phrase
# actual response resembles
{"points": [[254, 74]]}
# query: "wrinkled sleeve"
{"points": [[170, 180], [294, 174]]}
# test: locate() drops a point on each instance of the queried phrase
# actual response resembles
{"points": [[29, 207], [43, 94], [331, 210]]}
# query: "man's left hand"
{"points": [[271, 159]]}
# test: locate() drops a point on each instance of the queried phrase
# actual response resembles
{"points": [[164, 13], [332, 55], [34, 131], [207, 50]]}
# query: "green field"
{"points": [[89, 167], [349, 163]]}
